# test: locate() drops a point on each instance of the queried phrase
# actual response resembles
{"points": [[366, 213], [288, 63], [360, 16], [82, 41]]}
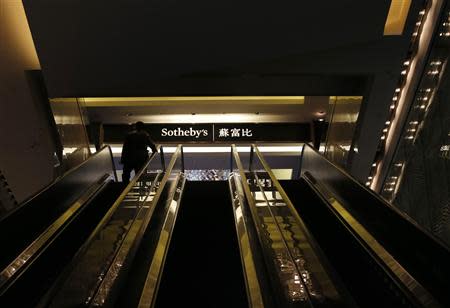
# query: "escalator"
{"points": [[34, 216], [40, 237], [382, 257], [176, 237], [366, 278], [249, 241], [38, 276]]}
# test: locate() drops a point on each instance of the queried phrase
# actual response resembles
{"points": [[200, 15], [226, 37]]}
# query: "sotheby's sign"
{"points": [[217, 132], [230, 132], [180, 132]]}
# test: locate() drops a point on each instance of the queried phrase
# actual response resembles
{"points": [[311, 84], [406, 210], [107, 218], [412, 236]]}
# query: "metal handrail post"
{"points": [[231, 158], [299, 174], [182, 159], [251, 158], [163, 162]]}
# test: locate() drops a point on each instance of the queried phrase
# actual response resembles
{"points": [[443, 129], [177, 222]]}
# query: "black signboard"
{"points": [[273, 132], [218, 132]]}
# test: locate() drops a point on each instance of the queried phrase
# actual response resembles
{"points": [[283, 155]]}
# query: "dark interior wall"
{"points": [[26, 144], [191, 48]]}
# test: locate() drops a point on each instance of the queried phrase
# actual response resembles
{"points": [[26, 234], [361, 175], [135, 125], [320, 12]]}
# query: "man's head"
{"points": [[139, 125]]}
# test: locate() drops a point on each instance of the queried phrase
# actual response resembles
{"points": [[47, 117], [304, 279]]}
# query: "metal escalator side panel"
{"points": [[416, 248], [252, 281], [35, 215], [153, 279]]}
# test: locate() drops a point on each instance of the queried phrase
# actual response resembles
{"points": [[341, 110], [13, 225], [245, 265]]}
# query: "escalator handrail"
{"points": [[249, 197], [116, 178], [149, 290], [255, 295], [153, 278], [318, 254], [148, 216], [54, 289], [58, 179], [111, 276], [280, 190], [380, 199]]}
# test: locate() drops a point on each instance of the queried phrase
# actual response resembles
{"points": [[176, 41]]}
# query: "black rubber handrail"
{"points": [[25, 259], [59, 178], [33, 217]]}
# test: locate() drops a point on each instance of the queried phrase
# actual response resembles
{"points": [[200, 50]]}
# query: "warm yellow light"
{"points": [[395, 21], [345, 99], [187, 100]]}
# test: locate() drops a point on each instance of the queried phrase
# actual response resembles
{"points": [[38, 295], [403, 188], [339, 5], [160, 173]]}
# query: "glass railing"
{"points": [[292, 260], [104, 259], [253, 268]]}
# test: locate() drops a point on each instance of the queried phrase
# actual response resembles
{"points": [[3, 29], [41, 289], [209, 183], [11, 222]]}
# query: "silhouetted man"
{"points": [[134, 151]]}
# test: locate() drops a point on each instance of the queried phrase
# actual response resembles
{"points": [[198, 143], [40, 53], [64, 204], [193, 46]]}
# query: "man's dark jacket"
{"points": [[134, 149]]}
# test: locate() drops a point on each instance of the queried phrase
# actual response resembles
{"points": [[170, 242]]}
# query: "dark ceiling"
{"points": [[204, 47]]}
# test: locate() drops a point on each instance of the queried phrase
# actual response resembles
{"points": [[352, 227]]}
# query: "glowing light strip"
{"points": [[222, 149], [212, 118], [182, 100]]}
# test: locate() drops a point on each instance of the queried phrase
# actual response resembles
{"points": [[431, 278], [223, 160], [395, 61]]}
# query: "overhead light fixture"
{"points": [[184, 100], [396, 18]]}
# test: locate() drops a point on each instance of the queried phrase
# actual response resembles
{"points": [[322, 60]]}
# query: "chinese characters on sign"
{"points": [[235, 132], [261, 132]]}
